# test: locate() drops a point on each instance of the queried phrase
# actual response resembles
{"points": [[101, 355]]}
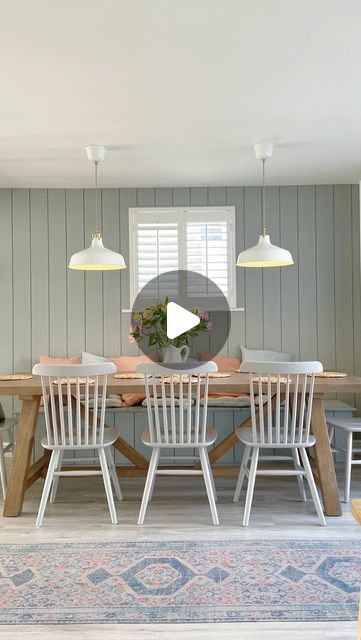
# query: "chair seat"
{"points": [[8, 423], [347, 424], [211, 436], [245, 435], [110, 436]]}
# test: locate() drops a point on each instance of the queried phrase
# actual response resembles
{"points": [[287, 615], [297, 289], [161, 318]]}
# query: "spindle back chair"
{"points": [[177, 418], [74, 423]]}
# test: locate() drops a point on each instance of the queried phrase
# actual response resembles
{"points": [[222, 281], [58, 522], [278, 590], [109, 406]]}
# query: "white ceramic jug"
{"points": [[175, 354]]}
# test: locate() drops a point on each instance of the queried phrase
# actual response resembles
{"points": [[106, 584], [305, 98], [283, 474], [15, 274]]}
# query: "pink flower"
{"points": [[204, 315], [209, 326], [131, 339]]}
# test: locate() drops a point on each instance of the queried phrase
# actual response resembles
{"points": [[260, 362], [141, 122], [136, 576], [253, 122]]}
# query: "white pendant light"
{"points": [[96, 257], [264, 254]]}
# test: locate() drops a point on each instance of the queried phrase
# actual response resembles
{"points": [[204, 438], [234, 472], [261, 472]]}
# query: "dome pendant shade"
{"points": [[264, 254], [97, 257]]}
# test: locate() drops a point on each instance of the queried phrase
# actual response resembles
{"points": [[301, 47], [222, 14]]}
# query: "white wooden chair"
{"points": [[349, 426], [178, 427], [273, 384], [6, 431], [70, 426]]}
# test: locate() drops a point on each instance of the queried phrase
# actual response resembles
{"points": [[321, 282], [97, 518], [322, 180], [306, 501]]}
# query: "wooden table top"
{"points": [[236, 383]]}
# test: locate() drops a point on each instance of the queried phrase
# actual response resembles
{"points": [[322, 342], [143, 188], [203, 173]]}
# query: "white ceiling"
{"points": [[179, 91]]}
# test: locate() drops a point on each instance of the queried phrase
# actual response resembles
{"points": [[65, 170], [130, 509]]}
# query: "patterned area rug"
{"points": [[144, 582]]}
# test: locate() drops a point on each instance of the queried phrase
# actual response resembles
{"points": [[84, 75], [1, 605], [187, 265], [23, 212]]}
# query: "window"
{"points": [[197, 239]]}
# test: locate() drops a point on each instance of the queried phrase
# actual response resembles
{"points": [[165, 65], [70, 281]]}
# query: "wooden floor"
{"points": [[80, 514]]}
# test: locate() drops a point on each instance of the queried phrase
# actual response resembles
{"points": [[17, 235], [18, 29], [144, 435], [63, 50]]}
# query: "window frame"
{"points": [[155, 215]]}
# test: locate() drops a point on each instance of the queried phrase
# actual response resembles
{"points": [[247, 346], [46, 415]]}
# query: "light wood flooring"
{"points": [[179, 510]]}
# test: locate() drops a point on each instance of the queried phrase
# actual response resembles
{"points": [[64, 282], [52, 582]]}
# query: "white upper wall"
{"points": [[179, 90]]}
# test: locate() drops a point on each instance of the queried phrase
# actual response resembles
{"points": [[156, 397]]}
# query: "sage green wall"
{"points": [[311, 309]]}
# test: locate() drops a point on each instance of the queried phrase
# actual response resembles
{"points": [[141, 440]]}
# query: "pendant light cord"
{"points": [[97, 216], [264, 230]]}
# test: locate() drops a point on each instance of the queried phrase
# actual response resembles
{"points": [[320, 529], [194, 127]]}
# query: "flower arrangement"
{"points": [[152, 323]]}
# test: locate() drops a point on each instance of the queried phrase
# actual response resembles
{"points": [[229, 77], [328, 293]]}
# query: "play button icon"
{"points": [[179, 320], [181, 312]]}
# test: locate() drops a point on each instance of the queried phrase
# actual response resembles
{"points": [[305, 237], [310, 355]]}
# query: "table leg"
{"points": [[324, 462], [132, 454], [22, 453], [231, 440], [120, 444]]}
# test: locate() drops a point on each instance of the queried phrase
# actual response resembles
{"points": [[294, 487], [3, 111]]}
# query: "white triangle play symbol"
{"points": [[179, 320]]}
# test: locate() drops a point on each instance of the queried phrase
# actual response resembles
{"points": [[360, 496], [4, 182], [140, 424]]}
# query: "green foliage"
{"points": [[152, 324]]}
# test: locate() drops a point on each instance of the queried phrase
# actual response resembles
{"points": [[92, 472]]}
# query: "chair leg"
{"points": [[10, 433], [107, 485], [47, 486], [2, 468], [242, 473], [301, 484], [211, 476], [348, 465], [250, 488], [207, 474], [54, 487], [113, 473], [152, 489], [312, 485], [331, 433], [153, 464]]}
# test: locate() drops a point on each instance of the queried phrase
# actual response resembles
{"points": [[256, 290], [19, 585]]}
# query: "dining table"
{"points": [[23, 473]]}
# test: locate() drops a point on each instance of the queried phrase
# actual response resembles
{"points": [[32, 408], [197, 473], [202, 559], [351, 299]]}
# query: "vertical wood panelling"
{"points": [[356, 280], [343, 279], [237, 330], [289, 275], [39, 272], [253, 286], [217, 196], [307, 277], [111, 279], [127, 198], [94, 325], [146, 197], [75, 279], [21, 280], [6, 291], [199, 197], [314, 305], [163, 197], [181, 197], [325, 276], [272, 277], [58, 295]]}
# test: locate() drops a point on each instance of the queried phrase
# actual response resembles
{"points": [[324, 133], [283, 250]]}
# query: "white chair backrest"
{"points": [[273, 384], [173, 416], [66, 393]]}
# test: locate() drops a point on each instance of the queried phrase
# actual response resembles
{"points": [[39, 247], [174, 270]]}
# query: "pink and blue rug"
{"points": [[170, 582]]}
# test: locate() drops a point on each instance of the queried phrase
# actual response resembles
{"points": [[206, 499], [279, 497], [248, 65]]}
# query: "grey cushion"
{"points": [[265, 355], [90, 358]]}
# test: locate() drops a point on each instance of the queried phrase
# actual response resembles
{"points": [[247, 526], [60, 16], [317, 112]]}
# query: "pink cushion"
{"points": [[130, 363], [223, 363], [50, 360], [132, 399]]}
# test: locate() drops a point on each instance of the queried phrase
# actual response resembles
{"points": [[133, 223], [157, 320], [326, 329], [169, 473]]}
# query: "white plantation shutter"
{"points": [[157, 252], [207, 252], [199, 239]]}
